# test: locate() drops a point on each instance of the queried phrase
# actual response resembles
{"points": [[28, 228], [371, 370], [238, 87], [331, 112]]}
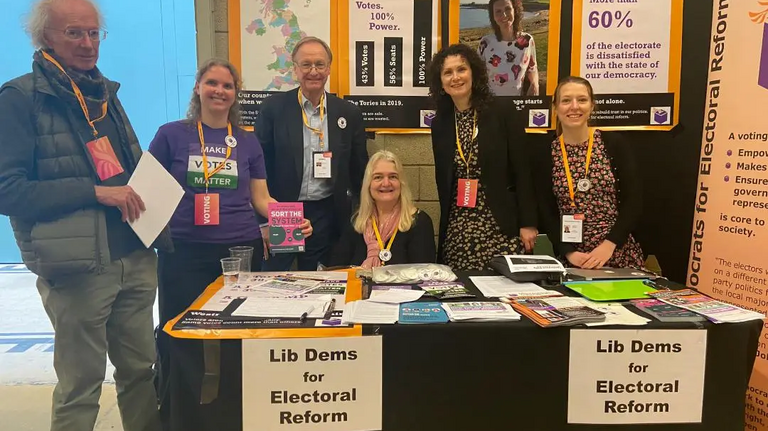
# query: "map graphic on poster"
{"points": [[267, 31], [271, 28]]}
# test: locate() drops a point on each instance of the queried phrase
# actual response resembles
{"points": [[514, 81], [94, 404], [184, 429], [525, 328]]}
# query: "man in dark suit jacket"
{"points": [[315, 152]]}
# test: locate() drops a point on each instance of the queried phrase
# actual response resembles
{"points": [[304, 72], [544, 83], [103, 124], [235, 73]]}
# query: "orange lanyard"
{"points": [[207, 175], [458, 142], [378, 236], [79, 95], [568, 175], [316, 130]]}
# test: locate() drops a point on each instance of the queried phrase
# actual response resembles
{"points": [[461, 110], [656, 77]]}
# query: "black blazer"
{"points": [[503, 160], [417, 245], [280, 130], [628, 187]]}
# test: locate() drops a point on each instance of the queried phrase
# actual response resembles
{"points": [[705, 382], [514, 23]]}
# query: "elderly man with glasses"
{"points": [[68, 152], [315, 152]]}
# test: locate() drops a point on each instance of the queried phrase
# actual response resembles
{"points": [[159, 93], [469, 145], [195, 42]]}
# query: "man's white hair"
{"points": [[39, 16]]}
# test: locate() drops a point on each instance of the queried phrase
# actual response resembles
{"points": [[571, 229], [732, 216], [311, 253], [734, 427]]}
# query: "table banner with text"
{"points": [[319, 384], [262, 35], [523, 65], [642, 376], [386, 47], [631, 53], [730, 237]]}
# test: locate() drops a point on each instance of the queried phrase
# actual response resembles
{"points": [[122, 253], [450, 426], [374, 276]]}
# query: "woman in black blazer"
{"points": [[589, 205], [487, 204], [387, 229]]}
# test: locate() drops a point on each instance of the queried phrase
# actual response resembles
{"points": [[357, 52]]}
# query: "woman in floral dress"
{"points": [[588, 187], [484, 183]]}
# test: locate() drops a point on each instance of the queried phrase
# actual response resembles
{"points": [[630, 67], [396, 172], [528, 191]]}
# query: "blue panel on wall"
{"points": [[150, 49]]}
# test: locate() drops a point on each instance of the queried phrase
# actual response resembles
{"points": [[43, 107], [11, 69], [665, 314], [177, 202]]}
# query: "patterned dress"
{"points": [[508, 63], [599, 204], [473, 237]]}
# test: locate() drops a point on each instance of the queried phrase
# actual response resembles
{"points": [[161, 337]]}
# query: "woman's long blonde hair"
{"points": [[368, 206]]}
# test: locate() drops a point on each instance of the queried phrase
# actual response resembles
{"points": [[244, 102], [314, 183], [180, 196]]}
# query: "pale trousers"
{"points": [[95, 315]]}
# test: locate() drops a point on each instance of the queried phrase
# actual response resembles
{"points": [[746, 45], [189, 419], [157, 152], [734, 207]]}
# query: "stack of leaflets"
{"points": [[615, 314], [368, 312], [664, 312], [496, 286], [479, 311], [422, 312], [714, 310], [445, 290], [557, 311]]}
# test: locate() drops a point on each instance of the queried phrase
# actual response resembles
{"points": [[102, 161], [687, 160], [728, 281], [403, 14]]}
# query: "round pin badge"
{"points": [[230, 141], [342, 123], [385, 255], [583, 185]]}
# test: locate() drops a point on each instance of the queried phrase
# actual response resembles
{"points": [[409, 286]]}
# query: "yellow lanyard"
{"points": [[207, 175], [458, 142], [316, 130], [378, 236], [79, 95], [568, 175]]}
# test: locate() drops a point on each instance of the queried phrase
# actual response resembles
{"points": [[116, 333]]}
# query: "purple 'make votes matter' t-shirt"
{"points": [[177, 147]]}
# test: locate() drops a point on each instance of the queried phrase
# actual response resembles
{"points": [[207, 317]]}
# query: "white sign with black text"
{"points": [[317, 384], [636, 376]]}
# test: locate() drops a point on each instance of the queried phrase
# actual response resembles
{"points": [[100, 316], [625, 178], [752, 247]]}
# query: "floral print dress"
{"points": [[473, 237], [599, 204], [508, 63]]}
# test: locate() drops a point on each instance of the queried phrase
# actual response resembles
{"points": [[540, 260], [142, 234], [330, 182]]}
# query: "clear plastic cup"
{"points": [[230, 267], [245, 253]]}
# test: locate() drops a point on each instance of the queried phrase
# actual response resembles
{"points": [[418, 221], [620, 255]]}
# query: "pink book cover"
{"points": [[284, 233]]}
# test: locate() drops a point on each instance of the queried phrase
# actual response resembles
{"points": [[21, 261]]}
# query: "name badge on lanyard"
{"points": [[207, 204], [466, 195], [321, 160], [572, 228]]}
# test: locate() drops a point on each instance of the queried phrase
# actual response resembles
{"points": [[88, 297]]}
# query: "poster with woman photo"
{"points": [[518, 40]]}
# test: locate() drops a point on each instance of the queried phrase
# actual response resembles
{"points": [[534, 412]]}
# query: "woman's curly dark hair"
{"points": [[481, 95], [517, 23]]}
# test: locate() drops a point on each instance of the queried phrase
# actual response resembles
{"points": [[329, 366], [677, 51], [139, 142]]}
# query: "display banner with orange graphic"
{"points": [[730, 237]]}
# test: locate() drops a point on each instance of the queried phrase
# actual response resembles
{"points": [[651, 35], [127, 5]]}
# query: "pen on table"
{"points": [[330, 309]]}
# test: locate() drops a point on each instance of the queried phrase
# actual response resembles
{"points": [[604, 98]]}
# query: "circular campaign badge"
{"points": [[583, 185], [230, 141], [385, 255]]}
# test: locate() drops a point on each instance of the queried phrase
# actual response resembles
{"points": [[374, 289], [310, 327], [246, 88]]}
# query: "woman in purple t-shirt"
{"points": [[221, 168]]}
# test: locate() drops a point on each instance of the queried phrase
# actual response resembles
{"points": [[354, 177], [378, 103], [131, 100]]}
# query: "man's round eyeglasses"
{"points": [[307, 67], [78, 34]]}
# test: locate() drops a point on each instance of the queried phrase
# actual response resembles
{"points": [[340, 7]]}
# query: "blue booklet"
{"points": [[422, 312]]}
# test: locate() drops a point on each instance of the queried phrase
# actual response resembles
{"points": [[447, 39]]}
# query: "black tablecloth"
{"points": [[476, 377]]}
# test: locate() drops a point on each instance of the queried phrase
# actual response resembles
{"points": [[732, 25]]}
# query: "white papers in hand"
{"points": [[161, 194], [397, 296], [500, 286], [368, 312]]}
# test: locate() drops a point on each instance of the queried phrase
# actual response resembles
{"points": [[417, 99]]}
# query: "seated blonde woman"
{"points": [[387, 229]]}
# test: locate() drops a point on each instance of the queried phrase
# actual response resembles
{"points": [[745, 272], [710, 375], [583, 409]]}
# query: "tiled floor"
{"points": [[26, 359]]}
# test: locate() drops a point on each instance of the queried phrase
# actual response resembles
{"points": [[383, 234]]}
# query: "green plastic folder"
{"points": [[611, 290]]}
